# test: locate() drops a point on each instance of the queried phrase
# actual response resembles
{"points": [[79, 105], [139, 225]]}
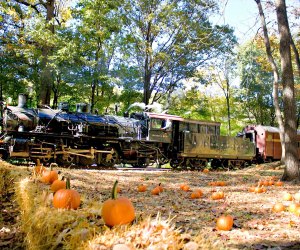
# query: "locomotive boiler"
{"points": [[139, 139]]}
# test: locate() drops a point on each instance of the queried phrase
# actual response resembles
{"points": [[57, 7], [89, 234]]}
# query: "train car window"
{"points": [[183, 126], [156, 123], [166, 124], [211, 130], [193, 127], [204, 129]]}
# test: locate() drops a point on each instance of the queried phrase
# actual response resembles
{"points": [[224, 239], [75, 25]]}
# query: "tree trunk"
{"points": [[276, 78], [228, 105], [147, 66], [94, 85], [46, 79], [291, 156]]}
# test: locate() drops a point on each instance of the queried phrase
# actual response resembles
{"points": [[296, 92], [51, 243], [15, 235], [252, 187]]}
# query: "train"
{"points": [[137, 138]]}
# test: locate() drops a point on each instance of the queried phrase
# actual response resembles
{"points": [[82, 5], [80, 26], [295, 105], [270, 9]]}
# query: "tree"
{"points": [[170, 39], [98, 25], [256, 77], [287, 77], [26, 18], [287, 125]]}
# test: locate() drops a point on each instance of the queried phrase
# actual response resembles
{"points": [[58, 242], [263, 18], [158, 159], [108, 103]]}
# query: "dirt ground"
{"points": [[255, 225]]}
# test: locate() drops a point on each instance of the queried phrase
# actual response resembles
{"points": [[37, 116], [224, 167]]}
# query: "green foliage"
{"points": [[256, 82]]}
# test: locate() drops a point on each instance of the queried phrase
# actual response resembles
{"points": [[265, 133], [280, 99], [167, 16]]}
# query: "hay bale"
{"points": [[9, 174], [49, 228]]}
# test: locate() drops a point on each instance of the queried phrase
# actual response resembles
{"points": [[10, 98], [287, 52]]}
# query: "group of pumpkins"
{"points": [[293, 207], [120, 210], [115, 211]]}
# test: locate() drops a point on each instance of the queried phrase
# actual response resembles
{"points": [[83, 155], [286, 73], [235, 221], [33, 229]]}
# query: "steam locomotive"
{"points": [[138, 138]]}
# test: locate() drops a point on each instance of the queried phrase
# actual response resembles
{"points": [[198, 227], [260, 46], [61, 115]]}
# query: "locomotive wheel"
{"points": [[109, 160], [86, 161], [65, 159], [174, 163], [189, 163], [3, 154], [140, 163]]}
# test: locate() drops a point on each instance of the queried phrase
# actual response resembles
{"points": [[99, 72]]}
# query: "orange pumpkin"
{"points": [[251, 189], [185, 187], [50, 176], [224, 222], [66, 198], [117, 211], [161, 189], [58, 184], [287, 197], [155, 191], [278, 207], [205, 170], [222, 183], [217, 195], [39, 168], [278, 183], [142, 188], [196, 194], [158, 189], [293, 206], [259, 190], [297, 196], [297, 211]]}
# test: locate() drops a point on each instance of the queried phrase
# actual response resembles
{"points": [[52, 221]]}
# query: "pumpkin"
{"points": [[297, 196], [39, 168], [287, 197], [217, 195], [161, 189], [117, 211], [58, 184], [221, 183], [142, 188], [278, 207], [158, 189], [297, 211], [224, 222], [66, 198], [278, 183], [252, 189], [205, 170], [259, 190], [196, 194], [265, 183], [293, 206], [50, 176], [155, 191], [184, 187]]}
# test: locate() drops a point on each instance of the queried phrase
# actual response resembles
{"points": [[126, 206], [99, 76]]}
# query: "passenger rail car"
{"points": [[267, 142], [138, 139]]}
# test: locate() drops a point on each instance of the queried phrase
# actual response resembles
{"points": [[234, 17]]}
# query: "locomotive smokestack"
{"points": [[22, 101]]}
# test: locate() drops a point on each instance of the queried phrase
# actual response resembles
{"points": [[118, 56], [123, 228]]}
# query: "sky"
{"points": [[243, 16]]}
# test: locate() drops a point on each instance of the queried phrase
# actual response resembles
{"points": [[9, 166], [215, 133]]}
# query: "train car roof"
{"points": [[273, 129], [179, 118], [269, 129]]}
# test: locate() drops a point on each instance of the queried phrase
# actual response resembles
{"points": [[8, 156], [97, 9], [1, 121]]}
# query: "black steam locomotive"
{"points": [[139, 138]]}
